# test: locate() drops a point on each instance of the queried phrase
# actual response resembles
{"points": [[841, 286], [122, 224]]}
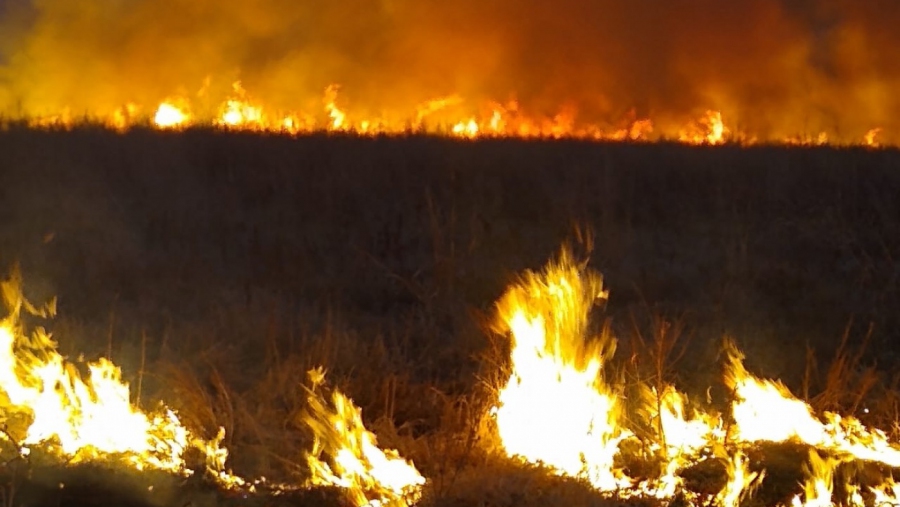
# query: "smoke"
{"points": [[776, 66]]}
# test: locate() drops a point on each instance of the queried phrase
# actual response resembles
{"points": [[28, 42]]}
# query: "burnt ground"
{"points": [[216, 268]]}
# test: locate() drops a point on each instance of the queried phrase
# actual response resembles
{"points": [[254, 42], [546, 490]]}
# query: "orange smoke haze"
{"points": [[775, 69]]}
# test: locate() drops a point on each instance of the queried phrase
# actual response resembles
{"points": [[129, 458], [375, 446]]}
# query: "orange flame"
{"points": [[449, 115]]}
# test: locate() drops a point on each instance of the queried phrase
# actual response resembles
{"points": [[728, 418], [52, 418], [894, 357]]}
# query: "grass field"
{"points": [[217, 268]]}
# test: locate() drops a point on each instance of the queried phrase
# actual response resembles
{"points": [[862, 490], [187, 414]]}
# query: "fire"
{"points": [[46, 402], [710, 129], [559, 408], [449, 115], [766, 411], [741, 481], [372, 477], [83, 418], [556, 408], [338, 117], [871, 138], [168, 115], [240, 112], [819, 486], [683, 435], [469, 129]]}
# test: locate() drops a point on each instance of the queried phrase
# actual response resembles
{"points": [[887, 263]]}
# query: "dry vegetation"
{"points": [[217, 268]]}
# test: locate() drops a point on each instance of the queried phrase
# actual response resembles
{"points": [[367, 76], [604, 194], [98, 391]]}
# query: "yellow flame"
{"points": [[90, 418], [83, 418], [871, 138], [555, 409], [370, 476], [819, 485], [710, 129], [168, 115], [886, 494], [338, 117], [741, 481], [469, 129], [239, 112], [765, 410], [684, 435]]}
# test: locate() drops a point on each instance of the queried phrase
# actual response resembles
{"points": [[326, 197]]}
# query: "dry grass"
{"points": [[222, 266]]}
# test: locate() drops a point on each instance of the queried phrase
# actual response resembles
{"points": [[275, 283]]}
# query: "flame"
{"points": [[372, 477], [450, 115], [741, 482], [168, 116], [710, 129], [121, 118], [885, 494], [83, 419], [765, 410], [871, 138], [239, 112], [468, 129], [683, 435], [819, 486], [92, 418], [555, 408], [337, 116]]}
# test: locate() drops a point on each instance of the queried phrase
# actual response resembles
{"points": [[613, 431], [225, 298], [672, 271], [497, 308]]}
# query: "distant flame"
{"points": [[871, 138], [169, 115], [708, 130]]}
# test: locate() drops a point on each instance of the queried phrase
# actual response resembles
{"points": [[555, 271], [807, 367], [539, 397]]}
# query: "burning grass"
{"points": [[350, 253]]}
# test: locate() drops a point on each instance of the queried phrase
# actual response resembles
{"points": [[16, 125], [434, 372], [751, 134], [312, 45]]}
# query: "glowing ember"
{"points": [[372, 477]]}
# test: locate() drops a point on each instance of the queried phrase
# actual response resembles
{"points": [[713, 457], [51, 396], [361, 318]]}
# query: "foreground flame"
{"points": [[92, 418], [86, 418], [372, 477], [766, 411], [556, 409]]}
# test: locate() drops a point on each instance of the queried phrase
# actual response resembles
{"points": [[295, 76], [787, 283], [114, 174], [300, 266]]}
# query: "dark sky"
{"points": [[780, 64]]}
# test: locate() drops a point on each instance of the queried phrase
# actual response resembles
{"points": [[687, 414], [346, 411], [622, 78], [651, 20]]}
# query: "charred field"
{"points": [[217, 268]]}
